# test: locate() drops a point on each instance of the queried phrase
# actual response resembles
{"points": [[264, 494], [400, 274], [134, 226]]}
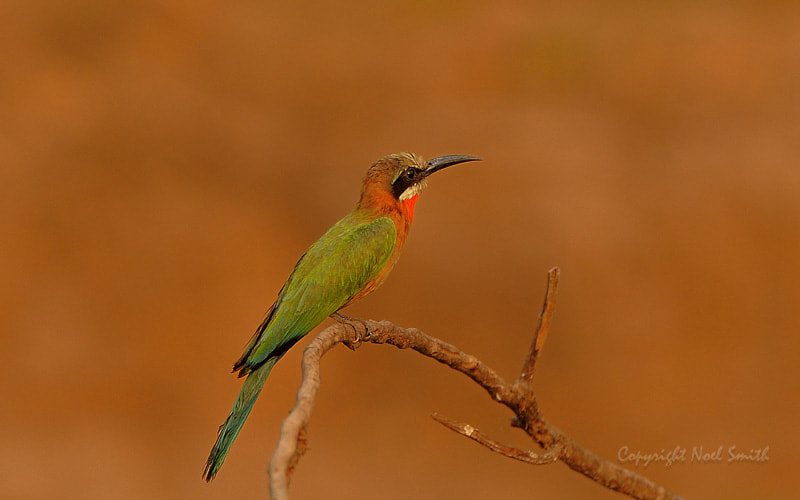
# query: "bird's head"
{"points": [[404, 175]]}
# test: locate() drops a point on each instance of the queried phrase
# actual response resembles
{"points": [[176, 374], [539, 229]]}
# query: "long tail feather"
{"points": [[233, 424]]}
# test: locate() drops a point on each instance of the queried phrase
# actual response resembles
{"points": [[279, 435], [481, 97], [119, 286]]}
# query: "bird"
{"points": [[348, 262]]}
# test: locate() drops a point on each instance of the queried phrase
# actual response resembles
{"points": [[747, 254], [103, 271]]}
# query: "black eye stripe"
{"points": [[405, 180]]}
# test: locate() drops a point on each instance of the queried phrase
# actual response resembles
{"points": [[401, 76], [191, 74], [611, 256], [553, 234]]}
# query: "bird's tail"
{"points": [[241, 409]]}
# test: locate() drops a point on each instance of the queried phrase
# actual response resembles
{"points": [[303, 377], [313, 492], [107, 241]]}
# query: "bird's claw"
{"points": [[361, 331]]}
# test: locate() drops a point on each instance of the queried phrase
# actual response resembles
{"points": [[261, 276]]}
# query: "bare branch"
{"points": [[522, 455], [518, 397]]}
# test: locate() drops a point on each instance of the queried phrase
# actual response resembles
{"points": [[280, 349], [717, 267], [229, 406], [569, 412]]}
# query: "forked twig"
{"points": [[518, 397]]}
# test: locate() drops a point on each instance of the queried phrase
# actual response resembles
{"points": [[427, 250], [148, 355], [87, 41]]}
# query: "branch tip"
{"points": [[505, 450], [540, 335]]}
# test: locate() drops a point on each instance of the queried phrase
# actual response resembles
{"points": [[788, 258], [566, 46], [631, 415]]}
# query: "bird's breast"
{"points": [[409, 204]]}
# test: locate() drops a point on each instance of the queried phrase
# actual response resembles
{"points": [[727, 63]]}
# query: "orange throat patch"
{"points": [[409, 204]]}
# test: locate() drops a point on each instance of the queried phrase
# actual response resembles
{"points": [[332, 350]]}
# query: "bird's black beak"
{"points": [[441, 162]]}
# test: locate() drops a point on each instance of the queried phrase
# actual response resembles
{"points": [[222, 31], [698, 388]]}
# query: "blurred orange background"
{"points": [[164, 164]]}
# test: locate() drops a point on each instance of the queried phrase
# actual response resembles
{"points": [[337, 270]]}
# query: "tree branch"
{"points": [[518, 397]]}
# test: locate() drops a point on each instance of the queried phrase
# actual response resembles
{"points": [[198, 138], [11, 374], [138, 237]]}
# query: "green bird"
{"points": [[348, 262]]}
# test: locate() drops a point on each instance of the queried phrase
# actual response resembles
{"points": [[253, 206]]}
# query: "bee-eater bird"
{"points": [[348, 262]]}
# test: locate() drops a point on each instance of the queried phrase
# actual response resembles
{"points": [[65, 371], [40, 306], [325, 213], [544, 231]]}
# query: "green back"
{"points": [[331, 272]]}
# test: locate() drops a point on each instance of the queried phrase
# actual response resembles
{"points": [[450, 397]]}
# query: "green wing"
{"points": [[333, 270]]}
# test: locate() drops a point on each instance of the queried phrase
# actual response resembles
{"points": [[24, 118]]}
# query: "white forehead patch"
{"points": [[413, 190]]}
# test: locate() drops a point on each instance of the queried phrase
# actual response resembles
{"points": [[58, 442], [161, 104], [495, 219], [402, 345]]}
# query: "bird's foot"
{"points": [[361, 331]]}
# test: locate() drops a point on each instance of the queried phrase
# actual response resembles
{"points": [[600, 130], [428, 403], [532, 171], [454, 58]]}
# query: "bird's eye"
{"points": [[410, 173]]}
